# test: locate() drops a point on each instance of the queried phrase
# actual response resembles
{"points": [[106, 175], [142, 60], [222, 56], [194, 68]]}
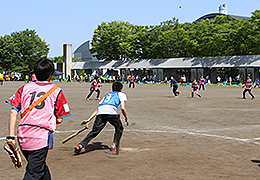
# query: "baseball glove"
{"points": [[13, 151]]}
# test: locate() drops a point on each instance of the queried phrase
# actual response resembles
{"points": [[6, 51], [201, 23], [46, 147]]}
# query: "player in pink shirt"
{"points": [[249, 84], [34, 132], [94, 87], [34, 79], [202, 82]]}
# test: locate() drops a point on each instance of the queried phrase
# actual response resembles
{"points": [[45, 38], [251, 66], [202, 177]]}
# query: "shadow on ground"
{"points": [[94, 146], [256, 161]]}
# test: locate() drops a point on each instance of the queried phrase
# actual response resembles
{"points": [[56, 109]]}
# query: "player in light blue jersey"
{"points": [[107, 112], [257, 82]]}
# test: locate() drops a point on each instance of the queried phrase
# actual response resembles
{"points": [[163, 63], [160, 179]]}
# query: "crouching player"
{"points": [[38, 119], [107, 112], [195, 88]]}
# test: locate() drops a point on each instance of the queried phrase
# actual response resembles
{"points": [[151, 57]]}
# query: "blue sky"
{"points": [[66, 21]]}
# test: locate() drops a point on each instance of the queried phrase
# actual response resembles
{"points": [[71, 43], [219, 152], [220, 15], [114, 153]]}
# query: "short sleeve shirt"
{"points": [[94, 85], [249, 84], [202, 80], [43, 116]]}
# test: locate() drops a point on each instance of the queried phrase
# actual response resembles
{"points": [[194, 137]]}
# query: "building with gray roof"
{"points": [[190, 67]]}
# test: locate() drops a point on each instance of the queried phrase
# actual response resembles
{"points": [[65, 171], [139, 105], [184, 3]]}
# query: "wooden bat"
{"points": [[73, 135]]}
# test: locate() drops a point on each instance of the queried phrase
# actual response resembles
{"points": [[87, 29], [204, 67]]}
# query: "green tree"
{"points": [[8, 52], [255, 32], [21, 50], [113, 41], [224, 36], [76, 59], [141, 42], [58, 59]]}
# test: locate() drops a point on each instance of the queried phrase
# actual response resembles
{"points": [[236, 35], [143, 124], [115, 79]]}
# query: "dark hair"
{"points": [[117, 86], [43, 69]]}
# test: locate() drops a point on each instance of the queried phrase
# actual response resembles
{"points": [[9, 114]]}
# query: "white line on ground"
{"points": [[197, 133], [177, 132], [135, 149]]}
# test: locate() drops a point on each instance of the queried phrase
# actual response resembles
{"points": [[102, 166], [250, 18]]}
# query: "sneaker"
{"points": [[252, 98], [113, 148], [87, 99], [98, 98], [244, 98], [176, 96], [77, 149]]}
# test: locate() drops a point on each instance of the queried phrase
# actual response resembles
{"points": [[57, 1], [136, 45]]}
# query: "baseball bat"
{"points": [[73, 135]]}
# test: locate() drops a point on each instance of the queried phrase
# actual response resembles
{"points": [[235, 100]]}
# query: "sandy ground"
{"points": [[215, 137]]}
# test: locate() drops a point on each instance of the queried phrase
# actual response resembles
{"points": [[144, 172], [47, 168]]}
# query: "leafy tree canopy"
{"points": [[58, 59], [20, 50], [224, 36]]}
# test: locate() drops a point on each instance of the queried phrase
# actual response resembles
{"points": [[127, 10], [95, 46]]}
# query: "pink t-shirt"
{"points": [[249, 84], [202, 80], [35, 127], [132, 78], [34, 77], [94, 84]]}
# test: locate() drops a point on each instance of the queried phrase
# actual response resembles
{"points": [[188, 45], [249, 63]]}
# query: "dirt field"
{"points": [[215, 137]]}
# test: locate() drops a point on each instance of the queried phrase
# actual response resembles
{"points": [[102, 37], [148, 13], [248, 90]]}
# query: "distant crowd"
{"points": [[7, 77], [151, 79], [113, 78], [144, 79]]}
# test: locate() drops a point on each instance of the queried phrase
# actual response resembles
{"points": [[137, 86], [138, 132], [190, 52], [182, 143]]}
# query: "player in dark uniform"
{"points": [[174, 86]]}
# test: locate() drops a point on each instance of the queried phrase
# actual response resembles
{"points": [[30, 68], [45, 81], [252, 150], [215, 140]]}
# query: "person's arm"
{"points": [[12, 123], [90, 118], [123, 109]]}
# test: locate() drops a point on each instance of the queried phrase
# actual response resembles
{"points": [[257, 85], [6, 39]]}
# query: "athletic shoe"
{"points": [[252, 98], [114, 148], [77, 149], [244, 98], [87, 99], [98, 98], [176, 96]]}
